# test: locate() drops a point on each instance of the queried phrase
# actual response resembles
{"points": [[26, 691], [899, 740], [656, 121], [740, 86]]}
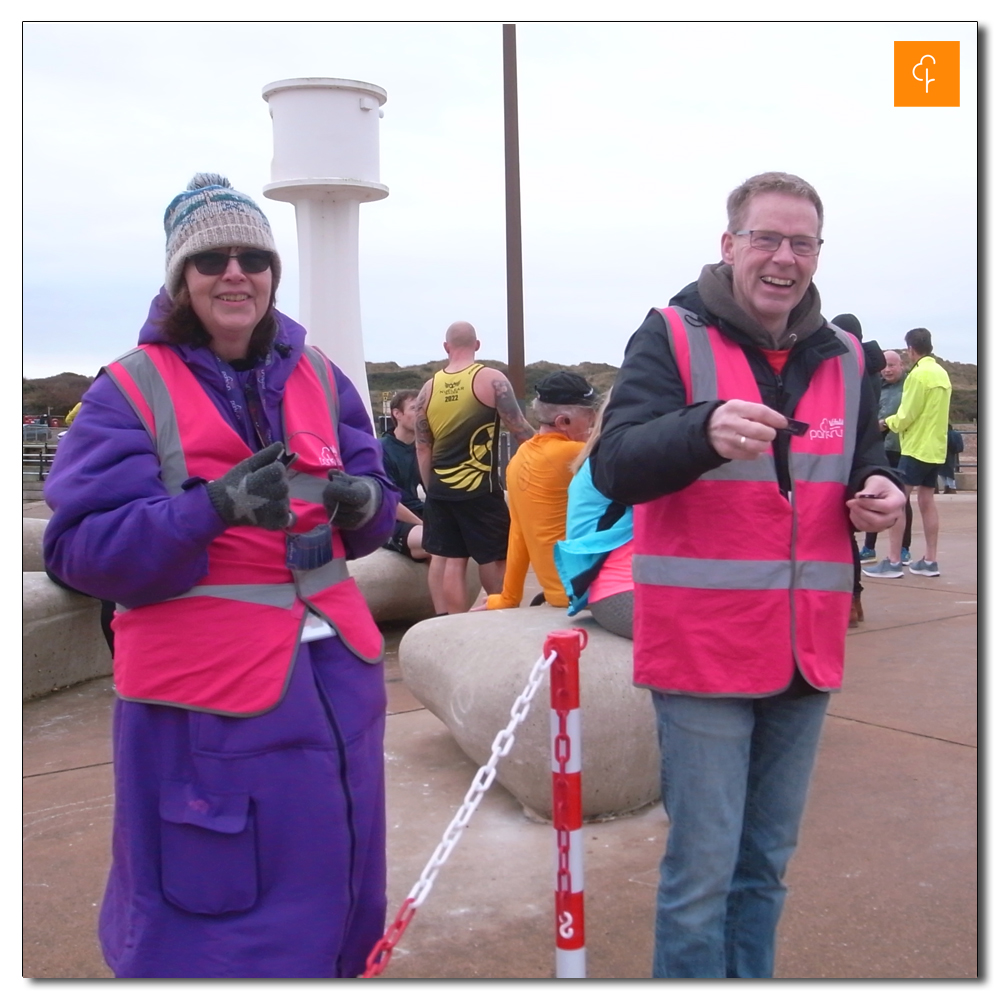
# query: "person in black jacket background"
{"points": [[874, 363]]}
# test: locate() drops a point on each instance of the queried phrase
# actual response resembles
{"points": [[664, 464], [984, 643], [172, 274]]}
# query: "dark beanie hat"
{"points": [[567, 389], [849, 323]]}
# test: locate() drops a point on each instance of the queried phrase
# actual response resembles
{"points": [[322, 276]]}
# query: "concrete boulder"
{"points": [[395, 587], [61, 638], [62, 641], [32, 530], [469, 669]]}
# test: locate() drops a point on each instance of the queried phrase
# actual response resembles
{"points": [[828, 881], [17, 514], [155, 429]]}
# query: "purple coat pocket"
{"points": [[208, 849]]}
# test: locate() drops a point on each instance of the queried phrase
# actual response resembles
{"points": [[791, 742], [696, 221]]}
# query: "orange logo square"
{"points": [[925, 75]]}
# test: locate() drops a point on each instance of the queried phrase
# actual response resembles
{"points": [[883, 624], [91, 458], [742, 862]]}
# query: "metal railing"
{"points": [[36, 461], [504, 453]]}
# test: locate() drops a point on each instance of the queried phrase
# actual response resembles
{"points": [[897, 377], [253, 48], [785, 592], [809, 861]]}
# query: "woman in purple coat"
{"points": [[218, 511]]}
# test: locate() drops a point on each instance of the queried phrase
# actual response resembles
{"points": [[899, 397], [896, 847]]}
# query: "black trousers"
{"points": [[871, 536]]}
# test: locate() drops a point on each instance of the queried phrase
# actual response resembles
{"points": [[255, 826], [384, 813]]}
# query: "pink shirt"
{"points": [[615, 576]]}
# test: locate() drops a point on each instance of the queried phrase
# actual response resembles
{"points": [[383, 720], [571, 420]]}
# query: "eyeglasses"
{"points": [[763, 239], [250, 261]]}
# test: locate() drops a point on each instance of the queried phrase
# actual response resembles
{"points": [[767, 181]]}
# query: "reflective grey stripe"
{"points": [[704, 383], [820, 468], [704, 379], [167, 438], [712, 574], [741, 574], [824, 576], [275, 595], [312, 581], [131, 402], [760, 470], [302, 486]]}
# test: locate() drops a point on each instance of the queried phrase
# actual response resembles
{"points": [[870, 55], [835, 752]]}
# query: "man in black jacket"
{"points": [[874, 364], [766, 569]]}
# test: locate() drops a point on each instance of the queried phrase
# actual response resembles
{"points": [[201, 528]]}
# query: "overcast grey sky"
{"points": [[631, 137]]}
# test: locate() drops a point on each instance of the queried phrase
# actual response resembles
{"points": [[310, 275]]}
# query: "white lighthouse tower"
{"points": [[326, 162]]}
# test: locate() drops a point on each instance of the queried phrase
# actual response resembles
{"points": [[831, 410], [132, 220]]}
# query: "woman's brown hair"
{"points": [[182, 326]]}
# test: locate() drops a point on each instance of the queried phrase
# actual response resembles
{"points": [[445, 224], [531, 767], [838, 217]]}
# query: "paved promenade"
{"points": [[884, 885]]}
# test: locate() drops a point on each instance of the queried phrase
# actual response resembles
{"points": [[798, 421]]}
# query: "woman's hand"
{"points": [[254, 492], [351, 501]]}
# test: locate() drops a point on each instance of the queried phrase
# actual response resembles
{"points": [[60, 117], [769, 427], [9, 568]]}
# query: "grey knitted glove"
{"points": [[351, 501], [254, 492]]}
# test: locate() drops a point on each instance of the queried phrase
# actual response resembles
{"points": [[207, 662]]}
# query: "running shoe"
{"points": [[886, 570], [923, 567], [868, 555], [905, 557]]}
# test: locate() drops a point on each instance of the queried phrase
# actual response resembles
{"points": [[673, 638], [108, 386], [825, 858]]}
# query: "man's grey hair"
{"points": [[739, 199], [546, 413]]}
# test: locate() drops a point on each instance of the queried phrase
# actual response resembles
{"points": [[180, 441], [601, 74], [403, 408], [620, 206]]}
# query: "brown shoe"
{"points": [[857, 613]]}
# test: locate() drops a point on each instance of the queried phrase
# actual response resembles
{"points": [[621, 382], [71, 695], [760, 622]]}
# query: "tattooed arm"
{"points": [[494, 389], [424, 440], [510, 413]]}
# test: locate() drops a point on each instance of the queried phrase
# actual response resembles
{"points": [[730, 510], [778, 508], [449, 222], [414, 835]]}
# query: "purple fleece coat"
{"points": [[242, 848]]}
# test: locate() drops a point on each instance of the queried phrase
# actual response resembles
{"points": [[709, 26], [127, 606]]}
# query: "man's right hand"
{"points": [[739, 429], [254, 492]]}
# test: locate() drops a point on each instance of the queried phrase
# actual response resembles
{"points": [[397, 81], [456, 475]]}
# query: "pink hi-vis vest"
{"points": [[735, 584], [228, 644]]}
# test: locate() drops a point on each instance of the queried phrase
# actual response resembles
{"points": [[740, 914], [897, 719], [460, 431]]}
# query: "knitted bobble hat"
{"points": [[210, 215]]}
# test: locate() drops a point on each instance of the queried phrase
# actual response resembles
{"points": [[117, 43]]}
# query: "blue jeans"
{"points": [[735, 774]]}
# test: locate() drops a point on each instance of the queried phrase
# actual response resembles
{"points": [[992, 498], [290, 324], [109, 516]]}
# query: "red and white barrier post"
{"points": [[567, 800]]}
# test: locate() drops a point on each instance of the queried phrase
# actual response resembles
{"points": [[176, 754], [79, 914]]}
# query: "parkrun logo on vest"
{"points": [[327, 456], [828, 428], [925, 75]]}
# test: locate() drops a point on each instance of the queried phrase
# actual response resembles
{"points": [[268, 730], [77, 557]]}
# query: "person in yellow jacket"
{"points": [[922, 425], [538, 478]]}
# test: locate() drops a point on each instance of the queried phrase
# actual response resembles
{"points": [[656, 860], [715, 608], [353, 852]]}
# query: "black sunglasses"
{"points": [[250, 261]]}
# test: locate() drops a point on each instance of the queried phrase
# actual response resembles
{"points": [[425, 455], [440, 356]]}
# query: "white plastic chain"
{"points": [[501, 746]]}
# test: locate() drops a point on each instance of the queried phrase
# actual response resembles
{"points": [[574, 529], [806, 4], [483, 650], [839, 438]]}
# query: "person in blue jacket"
{"points": [[594, 561]]}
